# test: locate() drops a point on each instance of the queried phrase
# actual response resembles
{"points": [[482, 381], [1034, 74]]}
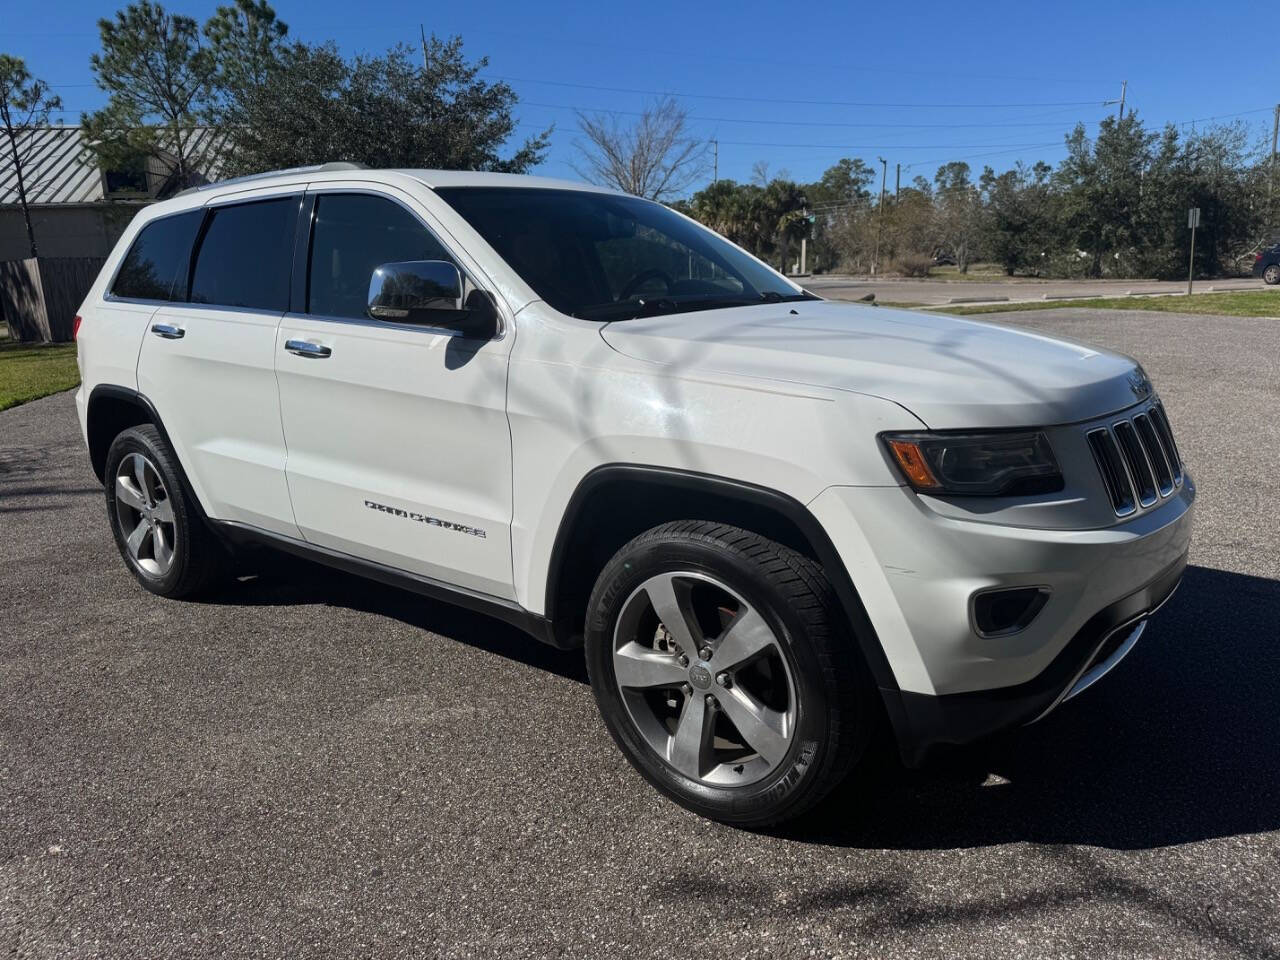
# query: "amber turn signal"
{"points": [[913, 465]]}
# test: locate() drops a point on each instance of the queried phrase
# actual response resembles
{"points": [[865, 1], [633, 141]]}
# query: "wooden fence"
{"points": [[39, 298]]}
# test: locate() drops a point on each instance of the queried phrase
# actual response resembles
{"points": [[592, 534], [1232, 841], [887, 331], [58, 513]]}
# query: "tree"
{"points": [[158, 77], [1016, 220], [25, 104], [656, 158], [958, 208], [246, 42], [388, 111]]}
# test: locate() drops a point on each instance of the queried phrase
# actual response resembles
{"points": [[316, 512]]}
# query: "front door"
{"points": [[398, 446]]}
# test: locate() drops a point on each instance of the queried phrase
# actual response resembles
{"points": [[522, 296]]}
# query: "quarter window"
{"points": [[155, 268], [353, 234], [246, 256]]}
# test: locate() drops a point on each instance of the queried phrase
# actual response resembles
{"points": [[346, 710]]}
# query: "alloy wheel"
{"points": [[145, 514], [705, 680]]}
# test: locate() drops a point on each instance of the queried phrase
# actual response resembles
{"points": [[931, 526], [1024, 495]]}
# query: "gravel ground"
{"points": [[312, 765]]}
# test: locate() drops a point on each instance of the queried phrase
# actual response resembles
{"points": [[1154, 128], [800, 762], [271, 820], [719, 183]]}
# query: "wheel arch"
{"points": [[113, 409], [616, 502]]}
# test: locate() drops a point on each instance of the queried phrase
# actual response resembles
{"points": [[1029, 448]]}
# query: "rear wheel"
{"points": [[722, 669], [156, 525], [1271, 275]]}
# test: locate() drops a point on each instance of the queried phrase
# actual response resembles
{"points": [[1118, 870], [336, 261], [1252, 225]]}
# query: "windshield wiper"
{"points": [[658, 306]]}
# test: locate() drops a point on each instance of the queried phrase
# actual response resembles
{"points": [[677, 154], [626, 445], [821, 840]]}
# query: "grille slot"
{"points": [[1144, 481], [1155, 454], [1114, 476], [1138, 460], [1165, 433]]}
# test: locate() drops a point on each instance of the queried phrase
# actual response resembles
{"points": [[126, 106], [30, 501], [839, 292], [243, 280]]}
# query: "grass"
{"points": [[1248, 303], [29, 371]]}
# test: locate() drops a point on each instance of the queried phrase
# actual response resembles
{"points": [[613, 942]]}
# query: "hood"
{"points": [[949, 371]]}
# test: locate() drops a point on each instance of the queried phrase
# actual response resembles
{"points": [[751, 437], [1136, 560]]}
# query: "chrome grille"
{"points": [[1138, 460]]}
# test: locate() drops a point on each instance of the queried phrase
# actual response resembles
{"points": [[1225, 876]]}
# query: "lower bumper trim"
{"points": [[959, 718]]}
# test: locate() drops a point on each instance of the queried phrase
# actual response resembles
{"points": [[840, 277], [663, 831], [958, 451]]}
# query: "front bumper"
{"points": [[917, 570], [1103, 641]]}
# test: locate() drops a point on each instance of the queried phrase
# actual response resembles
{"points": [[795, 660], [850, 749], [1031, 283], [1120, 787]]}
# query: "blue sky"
{"points": [[916, 84]]}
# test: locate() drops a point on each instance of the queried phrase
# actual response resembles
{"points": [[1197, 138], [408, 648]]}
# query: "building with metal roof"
{"points": [[78, 209]]}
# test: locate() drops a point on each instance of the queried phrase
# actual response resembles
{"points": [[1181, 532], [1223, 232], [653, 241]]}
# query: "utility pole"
{"points": [[1271, 180], [1124, 88], [897, 180], [884, 173], [715, 163], [423, 31]]}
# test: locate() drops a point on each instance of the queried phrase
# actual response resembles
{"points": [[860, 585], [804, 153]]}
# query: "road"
{"points": [[938, 292], [312, 765]]}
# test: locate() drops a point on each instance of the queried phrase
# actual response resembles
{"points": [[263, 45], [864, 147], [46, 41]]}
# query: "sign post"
{"points": [[1193, 221]]}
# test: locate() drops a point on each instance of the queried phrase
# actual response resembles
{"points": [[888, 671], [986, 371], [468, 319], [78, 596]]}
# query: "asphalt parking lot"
{"points": [[313, 765]]}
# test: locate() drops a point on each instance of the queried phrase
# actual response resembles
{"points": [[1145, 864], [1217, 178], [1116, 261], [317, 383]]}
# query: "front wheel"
{"points": [[723, 670]]}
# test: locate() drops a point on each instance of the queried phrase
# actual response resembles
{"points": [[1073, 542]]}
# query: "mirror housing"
{"points": [[430, 292]]}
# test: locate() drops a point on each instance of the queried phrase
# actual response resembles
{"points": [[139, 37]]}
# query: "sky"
{"points": [[796, 86]]}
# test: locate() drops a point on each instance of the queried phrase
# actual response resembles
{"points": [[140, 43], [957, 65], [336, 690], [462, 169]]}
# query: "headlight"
{"points": [[976, 464]]}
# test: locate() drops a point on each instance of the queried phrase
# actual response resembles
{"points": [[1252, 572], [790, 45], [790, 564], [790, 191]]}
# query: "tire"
{"points": [[1271, 275], [157, 526], [751, 742]]}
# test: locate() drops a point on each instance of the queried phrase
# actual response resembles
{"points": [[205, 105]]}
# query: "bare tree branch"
{"points": [[656, 158]]}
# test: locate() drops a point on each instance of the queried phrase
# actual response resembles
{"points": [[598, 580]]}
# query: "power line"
{"points": [[813, 103], [797, 123]]}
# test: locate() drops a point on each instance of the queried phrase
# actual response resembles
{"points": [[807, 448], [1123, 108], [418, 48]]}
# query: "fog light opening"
{"points": [[998, 613]]}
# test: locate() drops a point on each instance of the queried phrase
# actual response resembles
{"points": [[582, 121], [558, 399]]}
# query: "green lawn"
{"points": [[1248, 303], [29, 371]]}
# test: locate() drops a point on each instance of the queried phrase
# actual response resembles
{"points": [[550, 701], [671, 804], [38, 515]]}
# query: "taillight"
{"points": [[1257, 257], [75, 328]]}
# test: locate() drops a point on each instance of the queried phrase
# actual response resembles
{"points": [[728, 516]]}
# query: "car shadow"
{"points": [[1180, 743], [270, 578]]}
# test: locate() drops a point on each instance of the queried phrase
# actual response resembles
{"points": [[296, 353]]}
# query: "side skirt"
{"points": [[508, 611]]}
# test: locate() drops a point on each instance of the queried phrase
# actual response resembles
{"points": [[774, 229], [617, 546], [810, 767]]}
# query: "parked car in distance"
{"points": [[779, 526], [1266, 264]]}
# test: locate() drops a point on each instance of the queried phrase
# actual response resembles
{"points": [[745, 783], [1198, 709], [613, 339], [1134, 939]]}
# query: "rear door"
{"points": [[399, 449], [208, 363]]}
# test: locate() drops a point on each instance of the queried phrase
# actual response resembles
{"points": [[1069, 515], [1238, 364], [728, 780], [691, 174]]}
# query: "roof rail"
{"points": [[313, 168]]}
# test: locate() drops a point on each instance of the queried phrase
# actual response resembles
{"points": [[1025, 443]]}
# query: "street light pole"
{"points": [[884, 174]]}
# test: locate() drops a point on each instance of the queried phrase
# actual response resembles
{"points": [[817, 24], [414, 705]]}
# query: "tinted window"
{"points": [[603, 256], [158, 260], [246, 256], [352, 235]]}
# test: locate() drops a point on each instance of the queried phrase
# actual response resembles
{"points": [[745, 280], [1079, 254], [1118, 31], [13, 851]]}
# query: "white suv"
{"points": [[777, 523]]}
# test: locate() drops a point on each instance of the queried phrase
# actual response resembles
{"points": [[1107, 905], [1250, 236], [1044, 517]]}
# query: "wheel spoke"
{"points": [[164, 511], [662, 593], [637, 667], [128, 494], [140, 476], [690, 748], [764, 730], [745, 639], [161, 549], [137, 538]]}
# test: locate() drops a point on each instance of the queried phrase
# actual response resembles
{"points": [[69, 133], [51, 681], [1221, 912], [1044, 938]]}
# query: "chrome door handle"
{"points": [[168, 331], [305, 348]]}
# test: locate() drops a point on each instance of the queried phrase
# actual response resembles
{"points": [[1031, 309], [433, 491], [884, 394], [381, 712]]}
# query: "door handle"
{"points": [[168, 331], [305, 348]]}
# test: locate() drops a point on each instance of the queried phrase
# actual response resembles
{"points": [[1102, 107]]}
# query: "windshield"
{"points": [[602, 256]]}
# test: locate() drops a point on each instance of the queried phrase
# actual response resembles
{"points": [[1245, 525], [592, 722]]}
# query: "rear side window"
{"points": [[246, 256], [353, 234], [155, 268]]}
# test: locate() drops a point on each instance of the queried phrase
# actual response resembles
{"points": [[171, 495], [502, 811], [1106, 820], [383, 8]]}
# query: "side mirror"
{"points": [[430, 292]]}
